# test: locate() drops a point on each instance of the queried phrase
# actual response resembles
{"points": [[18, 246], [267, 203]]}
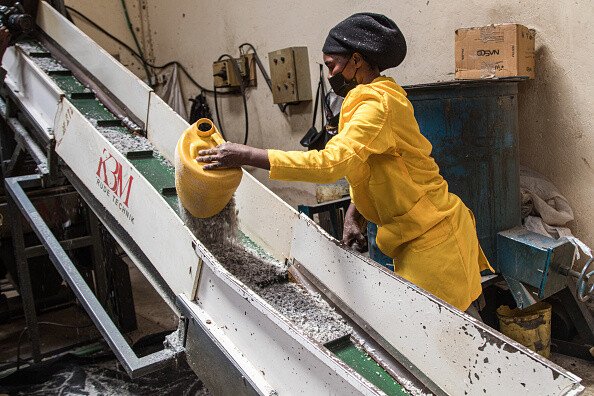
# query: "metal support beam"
{"points": [[124, 239], [112, 278], [101, 277], [68, 244], [134, 366], [25, 289], [15, 160]]}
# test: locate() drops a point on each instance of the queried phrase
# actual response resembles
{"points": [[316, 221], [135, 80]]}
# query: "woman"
{"points": [[394, 181]]}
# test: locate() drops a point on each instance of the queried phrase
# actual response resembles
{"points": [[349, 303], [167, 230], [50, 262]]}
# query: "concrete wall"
{"points": [[556, 127]]}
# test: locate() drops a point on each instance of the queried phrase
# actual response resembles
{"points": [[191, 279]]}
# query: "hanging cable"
{"points": [[138, 56], [237, 71], [245, 111], [281, 106], [131, 29], [216, 103], [258, 62]]}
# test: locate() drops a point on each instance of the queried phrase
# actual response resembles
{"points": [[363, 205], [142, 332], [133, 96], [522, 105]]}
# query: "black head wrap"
{"points": [[376, 37]]}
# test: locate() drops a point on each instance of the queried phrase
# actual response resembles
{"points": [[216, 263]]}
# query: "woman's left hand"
{"points": [[226, 155]]}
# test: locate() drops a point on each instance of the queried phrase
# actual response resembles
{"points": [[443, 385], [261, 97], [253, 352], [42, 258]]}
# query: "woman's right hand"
{"points": [[353, 233], [233, 155]]}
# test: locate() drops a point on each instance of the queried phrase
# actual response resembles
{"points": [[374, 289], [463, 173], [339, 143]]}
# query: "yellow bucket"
{"points": [[530, 327], [202, 193]]}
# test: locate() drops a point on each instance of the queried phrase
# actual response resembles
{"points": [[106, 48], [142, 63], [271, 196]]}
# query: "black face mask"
{"points": [[340, 85]]}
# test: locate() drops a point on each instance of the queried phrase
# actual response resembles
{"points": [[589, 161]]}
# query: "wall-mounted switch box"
{"points": [[225, 74], [289, 72]]}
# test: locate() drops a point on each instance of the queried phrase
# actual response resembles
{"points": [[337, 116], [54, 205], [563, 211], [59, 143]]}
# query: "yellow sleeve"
{"points": [[360, 136]]}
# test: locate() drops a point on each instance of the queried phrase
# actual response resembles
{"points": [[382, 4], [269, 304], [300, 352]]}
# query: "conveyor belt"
{"points": [[160, 174]]}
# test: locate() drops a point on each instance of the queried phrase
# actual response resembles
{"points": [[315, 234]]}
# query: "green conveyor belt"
{"points": [[362, 363], [154, 168], [93, 109], [69, 84], [159, 175]]}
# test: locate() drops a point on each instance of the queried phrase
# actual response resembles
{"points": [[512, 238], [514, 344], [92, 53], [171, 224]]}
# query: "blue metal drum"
{"points": [[473, 127]]}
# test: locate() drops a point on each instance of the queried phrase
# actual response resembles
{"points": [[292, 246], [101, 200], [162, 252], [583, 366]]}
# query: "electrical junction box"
{"points": [[225, 73], [289, 72]]}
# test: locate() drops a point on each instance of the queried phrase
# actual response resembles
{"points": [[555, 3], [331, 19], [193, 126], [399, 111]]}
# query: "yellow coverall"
{"points": [[394, 182]]}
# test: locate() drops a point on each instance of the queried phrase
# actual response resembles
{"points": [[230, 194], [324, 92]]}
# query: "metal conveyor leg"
{"points": [[25, 289], [135, 366]]}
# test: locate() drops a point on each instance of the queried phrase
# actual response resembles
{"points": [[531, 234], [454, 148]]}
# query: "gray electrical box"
{"points": [[289, 72]]}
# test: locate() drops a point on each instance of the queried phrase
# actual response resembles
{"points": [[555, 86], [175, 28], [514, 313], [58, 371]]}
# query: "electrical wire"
{"points": [[105, 32], [216, 103], [281, 106], [183, 69], [138, 56], [242, 89], [214, 91], [131, 29], [259, 63]]}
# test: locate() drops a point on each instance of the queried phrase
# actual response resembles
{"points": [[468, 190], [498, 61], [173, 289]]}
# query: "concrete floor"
{"points": [[153, 316], [103, 377], [152, 313], [582, 368]]}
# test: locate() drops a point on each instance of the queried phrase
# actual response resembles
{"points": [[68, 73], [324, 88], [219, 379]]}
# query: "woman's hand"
{"points": [[226, 155], [233, 155], [353, 233]]}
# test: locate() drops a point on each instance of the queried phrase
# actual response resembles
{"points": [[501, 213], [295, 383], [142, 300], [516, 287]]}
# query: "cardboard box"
{"points": [[495, 51]]}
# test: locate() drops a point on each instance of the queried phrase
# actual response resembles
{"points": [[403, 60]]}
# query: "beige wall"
{"points": [[556, 127], [109, 15]]}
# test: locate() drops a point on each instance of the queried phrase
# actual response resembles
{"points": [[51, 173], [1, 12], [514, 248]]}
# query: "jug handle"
{"points": [[217, 138]]}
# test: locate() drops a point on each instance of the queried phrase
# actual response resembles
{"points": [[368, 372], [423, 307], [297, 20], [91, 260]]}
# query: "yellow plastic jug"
{"points": [[202, 193]]}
